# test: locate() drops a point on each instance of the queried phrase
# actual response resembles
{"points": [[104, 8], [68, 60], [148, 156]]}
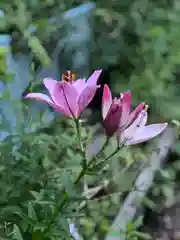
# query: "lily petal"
{"points": [[111, 122], [40, 97], [50, 84], [46, 99], [147, 132], [80, 85], [126, 105], [86, 97], [139, 122], [92, 80], [106, 101], [66, 95], [135, 114]]}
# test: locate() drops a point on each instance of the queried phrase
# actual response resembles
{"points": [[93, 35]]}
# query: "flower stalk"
{"points": [[82, 173], [70, 98], [78, 130]]}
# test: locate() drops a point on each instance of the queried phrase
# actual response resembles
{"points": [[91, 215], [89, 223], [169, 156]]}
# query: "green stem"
{"points": [[56, 212], [100, 151], [118, 148], [78, 129], [79, 134], [112, 154], [60, 206], [107, 158], [62, 203]]}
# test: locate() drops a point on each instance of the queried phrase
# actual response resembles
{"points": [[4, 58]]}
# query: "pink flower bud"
{"points": [[111, 112]]}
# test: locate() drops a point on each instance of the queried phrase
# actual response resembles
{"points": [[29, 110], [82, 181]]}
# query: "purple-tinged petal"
{"points": [[92, 80], [146, 133], [111, 122], [135, 114], [40, 97], [46, 99], [139, 122], [126, 105], [80, 85], [50, 84], [86, 97], [106, 101], [66, 95]]}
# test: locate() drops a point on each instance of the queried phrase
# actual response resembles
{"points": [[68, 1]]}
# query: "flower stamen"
{"points": [[69, 76], [138, 125]]}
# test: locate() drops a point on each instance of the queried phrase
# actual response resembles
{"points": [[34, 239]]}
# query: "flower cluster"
{"points": [[70, 98]]}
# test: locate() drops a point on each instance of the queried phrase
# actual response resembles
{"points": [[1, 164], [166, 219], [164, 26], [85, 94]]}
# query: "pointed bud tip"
{"points": [[106, 88], [27, 96], [164, 126], [126, 94], [99, 70], [146, 107]]}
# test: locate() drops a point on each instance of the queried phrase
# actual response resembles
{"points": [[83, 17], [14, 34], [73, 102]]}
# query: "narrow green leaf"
{"points": [[36, 195], [31, 212], [67, 183], [39, 50], [17, 233], [26, 218], [142, 235], [138, 222]]}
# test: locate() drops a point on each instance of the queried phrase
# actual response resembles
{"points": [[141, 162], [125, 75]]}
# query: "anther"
{"points": [[69, 76]]}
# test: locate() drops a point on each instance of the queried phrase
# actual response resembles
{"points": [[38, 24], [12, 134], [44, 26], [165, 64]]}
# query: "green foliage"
{"points": [[34, 173], [133, 233], [32, 177], [142, 39]]}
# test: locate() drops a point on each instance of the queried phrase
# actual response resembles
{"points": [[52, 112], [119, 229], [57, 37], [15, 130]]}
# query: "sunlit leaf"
{"points": [[17, 233]]}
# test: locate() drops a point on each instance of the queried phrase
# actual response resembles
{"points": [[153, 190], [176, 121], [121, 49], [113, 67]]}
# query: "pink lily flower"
{"points": [[137, 132], [116, 112], [129, 126], [69, 98]]}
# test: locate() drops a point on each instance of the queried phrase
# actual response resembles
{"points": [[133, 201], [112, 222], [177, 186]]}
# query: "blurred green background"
{"points": [[136, 43]]}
